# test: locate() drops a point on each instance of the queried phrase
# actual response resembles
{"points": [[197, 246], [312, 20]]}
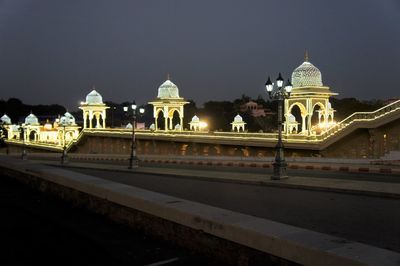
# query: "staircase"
{"points": [[360, 120]]}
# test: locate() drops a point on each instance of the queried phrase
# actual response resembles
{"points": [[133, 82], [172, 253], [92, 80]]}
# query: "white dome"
{"points": [[238, 118], [306, 75], [168, 90], [94, 98], [291, 118], [129, 126], [6, 119], [67, 119], [195, 119], [31, 120]]}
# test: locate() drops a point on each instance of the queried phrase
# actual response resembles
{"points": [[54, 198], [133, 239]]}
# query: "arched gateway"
{"points": [[168, 105], [311, 97]]}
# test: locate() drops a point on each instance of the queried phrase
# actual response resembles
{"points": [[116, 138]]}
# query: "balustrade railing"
{"points": [[360, 116]]}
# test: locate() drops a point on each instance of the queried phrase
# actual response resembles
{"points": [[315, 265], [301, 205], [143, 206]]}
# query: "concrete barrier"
{"points": [[234, 237]]}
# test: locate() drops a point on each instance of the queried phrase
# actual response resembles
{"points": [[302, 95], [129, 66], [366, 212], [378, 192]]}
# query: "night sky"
{"points": [[53, 51]]}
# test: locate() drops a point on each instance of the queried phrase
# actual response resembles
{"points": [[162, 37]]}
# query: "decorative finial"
{"points": [[306, 56], [93, 87], [168, 76]]}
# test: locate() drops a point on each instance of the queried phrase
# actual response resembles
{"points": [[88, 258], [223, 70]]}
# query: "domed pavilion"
{"points": [[168, 104], [94, 108], [311, 99]]}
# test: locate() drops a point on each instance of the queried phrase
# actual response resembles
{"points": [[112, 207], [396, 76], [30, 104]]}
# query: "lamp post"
{"points": [[112, 115], [64, 156], [24, 155], [279, 94], [133, 159]]}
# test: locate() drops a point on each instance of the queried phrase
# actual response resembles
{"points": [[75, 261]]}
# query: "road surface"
{"points": [[371, 220]]}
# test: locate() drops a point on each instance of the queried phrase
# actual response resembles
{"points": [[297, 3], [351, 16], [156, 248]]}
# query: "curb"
{"points": [[305, 166]]}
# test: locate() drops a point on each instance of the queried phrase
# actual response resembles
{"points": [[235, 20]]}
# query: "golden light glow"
{"points": [[203, 125]]}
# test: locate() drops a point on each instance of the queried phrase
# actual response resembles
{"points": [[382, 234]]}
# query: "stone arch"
{"points": [[33, 135], [300, 118], [86, 120], [174, 116], [317, 111], [160, 120], [301, 106]]}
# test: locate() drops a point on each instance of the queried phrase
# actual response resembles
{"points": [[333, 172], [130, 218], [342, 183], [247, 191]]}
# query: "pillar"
{"points": [[303, 123], [181, 121], [90, 119], [84, 119], [170, 123], [97, 120]]}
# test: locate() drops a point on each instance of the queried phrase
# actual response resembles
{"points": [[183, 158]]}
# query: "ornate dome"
{"points": [[94, 98], [306, 75], [195, 119], [67, 119], [238, 118], [291, 118], [31, 120], [168, 90], [5, 119]]}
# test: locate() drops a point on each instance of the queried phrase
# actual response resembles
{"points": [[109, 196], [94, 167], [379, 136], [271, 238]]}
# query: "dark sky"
{"points": [[53, 51]]}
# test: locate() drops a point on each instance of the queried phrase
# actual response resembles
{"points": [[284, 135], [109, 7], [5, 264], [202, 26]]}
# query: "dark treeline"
{"points": [[218, 114], [347, 106], [17, 110]]}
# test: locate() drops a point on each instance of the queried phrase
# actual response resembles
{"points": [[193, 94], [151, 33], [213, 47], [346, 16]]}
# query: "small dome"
{"points": [[129, 125], [195, 119], [238, 118], [5, 119], [306, 75], [94, 98], [168, 90], [68, 114], [31, 120], [67, 120], [291, 118]]}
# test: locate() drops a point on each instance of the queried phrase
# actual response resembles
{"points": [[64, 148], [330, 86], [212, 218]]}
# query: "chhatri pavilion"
{"points": [[311, 98], [168, 104]]}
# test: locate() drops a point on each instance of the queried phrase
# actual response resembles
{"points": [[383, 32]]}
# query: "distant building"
{"points": [[255, 109]]}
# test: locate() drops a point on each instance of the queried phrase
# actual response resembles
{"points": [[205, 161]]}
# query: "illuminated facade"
{"points": [[311, 98], [167, 104], [62, 130], [94, 111]]}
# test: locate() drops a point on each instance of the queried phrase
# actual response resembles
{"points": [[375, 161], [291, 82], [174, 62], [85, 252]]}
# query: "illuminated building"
{"points": [[94, 109], [63, 129], [167, 104], [238, 124], [311, 97]]}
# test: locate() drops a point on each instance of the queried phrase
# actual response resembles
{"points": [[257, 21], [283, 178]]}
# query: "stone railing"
{"points": [[360, 116]]}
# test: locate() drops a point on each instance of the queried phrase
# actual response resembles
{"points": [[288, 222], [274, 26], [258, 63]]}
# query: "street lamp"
{"points": [[112, 115], [24, 155], [279, 94], [64, 156], [133, 159]]}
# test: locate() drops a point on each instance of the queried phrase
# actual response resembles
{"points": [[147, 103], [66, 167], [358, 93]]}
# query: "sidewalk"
{"points": [[379, 189], [308, 163]]}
